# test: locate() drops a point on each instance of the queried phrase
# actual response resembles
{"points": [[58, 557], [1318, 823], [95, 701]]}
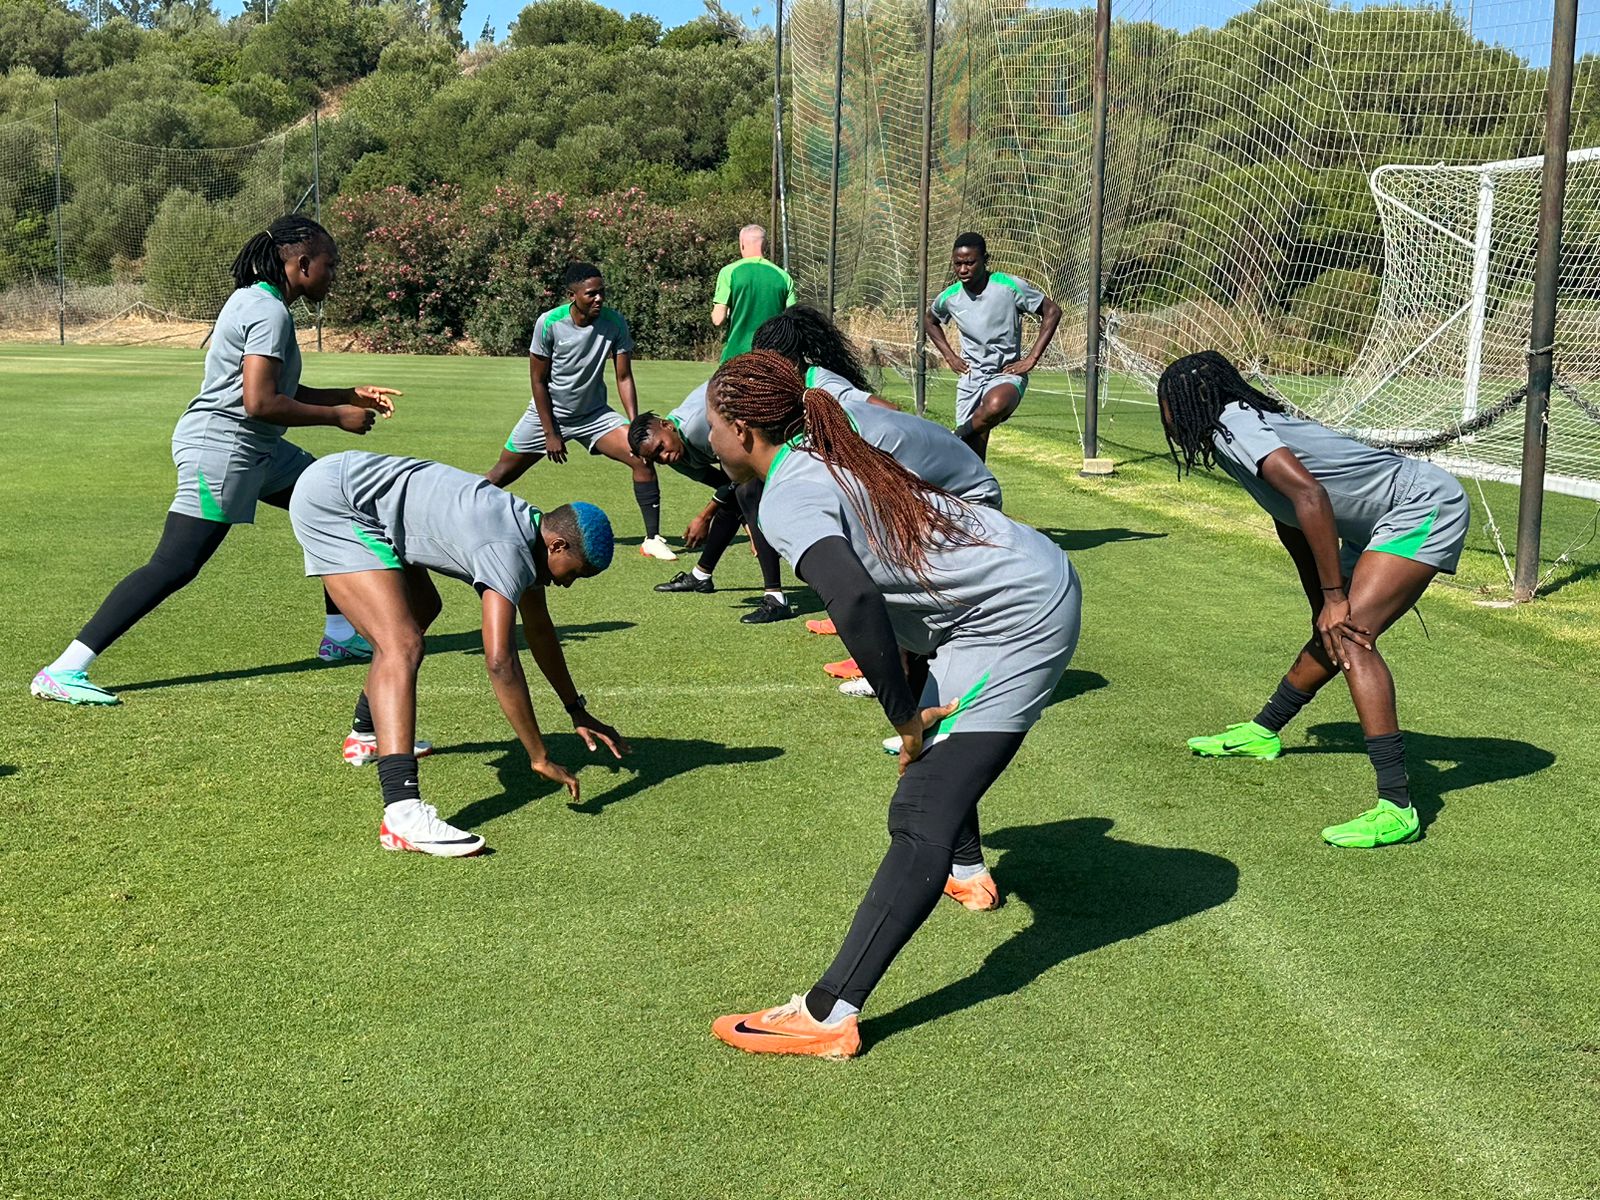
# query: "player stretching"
{"points": [[898, 562], [229, 446], [372, 527], [1401, 520], [567, 365], [987, 307]]}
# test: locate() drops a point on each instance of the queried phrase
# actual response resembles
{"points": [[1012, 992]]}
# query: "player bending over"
{"points": [[987, 307], [1000, 623], [567, 366], [229, 446], [1401, 522], [681, 441], [372, 527]]}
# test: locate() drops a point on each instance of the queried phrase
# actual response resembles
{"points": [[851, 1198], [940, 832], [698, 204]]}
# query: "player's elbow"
{"points": [[1051, 310]]}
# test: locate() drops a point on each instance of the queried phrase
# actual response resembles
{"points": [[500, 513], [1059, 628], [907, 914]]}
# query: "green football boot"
{"points": [[1386, 825], [355, 648], [1244, 740], [69, 687]]}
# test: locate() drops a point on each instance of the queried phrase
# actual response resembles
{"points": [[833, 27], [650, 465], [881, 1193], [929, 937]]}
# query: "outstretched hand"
{"points": [[912, 731], [594, 732], [376, 398], [556, 773]]}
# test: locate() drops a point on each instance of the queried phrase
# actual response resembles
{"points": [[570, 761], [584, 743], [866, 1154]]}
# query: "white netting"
{"points": [[146, 233], [1245, 205]]}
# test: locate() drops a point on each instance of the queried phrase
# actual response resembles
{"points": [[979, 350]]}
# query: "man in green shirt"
{"points": [[749, 291]]}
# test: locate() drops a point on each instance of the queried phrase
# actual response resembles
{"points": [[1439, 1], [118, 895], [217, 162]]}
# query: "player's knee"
{"points": [[400, 648]]}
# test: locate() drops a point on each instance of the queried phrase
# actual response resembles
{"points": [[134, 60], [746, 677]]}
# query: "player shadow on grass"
{"points": [[650, 761], [1473, 760], [469, 642], [1085, 890], [1074, 540]]}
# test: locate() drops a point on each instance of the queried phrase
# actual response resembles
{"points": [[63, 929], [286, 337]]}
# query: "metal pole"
{"points": [[777, 125], [920, 379], [61, 258], [1546, 278], [1097, 217], [838, 141], [316, 190]]}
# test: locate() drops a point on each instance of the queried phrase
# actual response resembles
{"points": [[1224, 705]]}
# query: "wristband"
{"points": [[577, 706]]}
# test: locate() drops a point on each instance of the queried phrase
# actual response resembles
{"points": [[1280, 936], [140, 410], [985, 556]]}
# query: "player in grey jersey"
{"points": [[899, 564], [1401, 522]]}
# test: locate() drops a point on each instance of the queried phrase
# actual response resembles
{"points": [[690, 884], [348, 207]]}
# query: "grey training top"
{"points": [[252, 321], [836, 385], [692, 424], [990, 322], [578, 356], [448, 520], [930, 452], [989, 591], [1363, 483]]}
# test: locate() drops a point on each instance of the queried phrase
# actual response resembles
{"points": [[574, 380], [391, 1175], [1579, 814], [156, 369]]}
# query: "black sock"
{"points": [[1388, 756], [648, 496], [820, 1004], [329, 608], [398, 775], [362, 721], [1284, 706]]}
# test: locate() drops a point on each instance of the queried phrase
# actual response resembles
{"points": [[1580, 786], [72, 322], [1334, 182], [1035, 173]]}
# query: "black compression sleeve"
{"points": [[858, 611]]}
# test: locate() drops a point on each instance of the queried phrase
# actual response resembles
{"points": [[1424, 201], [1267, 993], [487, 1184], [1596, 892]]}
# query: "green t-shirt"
{"points": [[754, 289]]}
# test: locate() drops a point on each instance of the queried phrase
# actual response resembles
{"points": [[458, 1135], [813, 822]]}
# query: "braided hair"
{"points": [[1193, 391], [808, 339], [261, 260], [900, 512]]}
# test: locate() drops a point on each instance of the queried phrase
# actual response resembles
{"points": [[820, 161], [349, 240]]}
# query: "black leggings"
{"points": [[749, 494], [933, 822], [186, 545]]}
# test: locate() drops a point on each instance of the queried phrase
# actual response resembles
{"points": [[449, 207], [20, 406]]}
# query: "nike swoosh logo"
{"points": [[741, 1027]]}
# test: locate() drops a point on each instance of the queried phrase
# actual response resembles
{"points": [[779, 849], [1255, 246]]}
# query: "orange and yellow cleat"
{"points": [[825, 627], [980, 893], [843, 669], [789, 1029]]}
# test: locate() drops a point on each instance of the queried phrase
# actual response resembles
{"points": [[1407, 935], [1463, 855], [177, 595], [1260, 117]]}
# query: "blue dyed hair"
{"points": [[590, 528]]}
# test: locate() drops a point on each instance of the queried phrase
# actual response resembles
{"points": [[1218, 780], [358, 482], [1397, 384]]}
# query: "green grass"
{"points": [[212, 983]]}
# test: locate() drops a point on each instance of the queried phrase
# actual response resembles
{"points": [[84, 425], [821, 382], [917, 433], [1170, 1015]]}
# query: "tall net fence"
{"points": [[107, 241], [1343, 200]]}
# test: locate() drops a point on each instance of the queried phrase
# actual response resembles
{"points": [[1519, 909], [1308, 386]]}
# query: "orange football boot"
{"points": [[789, 1029], [843, 669], [825, 627], [980, 894]]}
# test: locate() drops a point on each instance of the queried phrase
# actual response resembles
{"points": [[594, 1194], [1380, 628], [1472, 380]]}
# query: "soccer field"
{"points": [[213, 983]]}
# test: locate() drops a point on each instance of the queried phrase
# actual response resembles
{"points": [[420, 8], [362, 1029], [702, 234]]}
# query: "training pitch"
{"points": [[213, 982]]}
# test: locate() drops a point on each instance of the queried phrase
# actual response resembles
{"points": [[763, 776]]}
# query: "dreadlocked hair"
{"points": [[808, 339], [1193, 392], [639, 430], [899, 511], [261, 260]]}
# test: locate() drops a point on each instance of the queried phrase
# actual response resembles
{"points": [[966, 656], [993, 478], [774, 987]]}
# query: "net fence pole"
{"points": [[1546, 279], [838, 141], [920, 379], [777, 120], [1097, 217], [316, 189], [61, 257]]}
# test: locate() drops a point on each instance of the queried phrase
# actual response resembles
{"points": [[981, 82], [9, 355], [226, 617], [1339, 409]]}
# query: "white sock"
{"points": [[779, 597], [841, 1010], [75, 657], [338, 627], [965, 871], [702, 575]]}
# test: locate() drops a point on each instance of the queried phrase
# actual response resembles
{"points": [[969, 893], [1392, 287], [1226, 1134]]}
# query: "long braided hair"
{"points": [[1193, 391], [901, 513], [807, 338], [261, 260]]}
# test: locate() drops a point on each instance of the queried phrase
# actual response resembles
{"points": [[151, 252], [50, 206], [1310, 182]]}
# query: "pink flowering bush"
{"points": [[421, 273]]}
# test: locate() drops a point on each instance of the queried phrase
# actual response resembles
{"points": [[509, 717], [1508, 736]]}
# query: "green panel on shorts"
{"points": [[948, 725], [509, 446], [210, 510], [1407, 546], [381, 550]]}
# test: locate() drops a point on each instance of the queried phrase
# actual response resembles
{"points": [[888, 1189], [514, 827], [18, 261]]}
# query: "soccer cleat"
{"points": [[1386, 825], [978, 894], [789, 1029], [824, 627], [362, 748], [768, 611], [1244, 740], [69, 687], [656, 547], [414, 825], [891, 745], [843, 669], [354, 648], [685, 581], [857, 687]]}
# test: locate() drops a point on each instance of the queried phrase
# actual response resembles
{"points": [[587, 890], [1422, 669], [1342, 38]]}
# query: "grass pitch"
{"points": [[213, 983]]}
